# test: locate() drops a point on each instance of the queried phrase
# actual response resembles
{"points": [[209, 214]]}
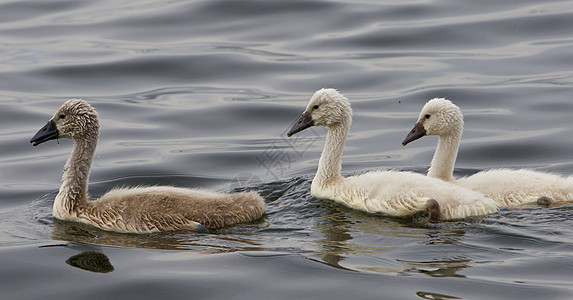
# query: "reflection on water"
{"points": [[347, 234], [91, 261], [90, 257], [213, 242], [435, 296], [444, 268]]}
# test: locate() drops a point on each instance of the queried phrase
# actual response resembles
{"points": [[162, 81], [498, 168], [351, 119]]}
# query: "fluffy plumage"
{"points": [[387, 192], [507, 187], [133, 210]]}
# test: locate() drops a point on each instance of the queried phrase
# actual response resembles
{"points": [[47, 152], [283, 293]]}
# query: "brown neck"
{"points": [[73, 192]]}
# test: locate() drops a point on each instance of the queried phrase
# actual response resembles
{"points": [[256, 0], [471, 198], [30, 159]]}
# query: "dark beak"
{"points": [[417, 132], [48, 132], [304, 122]]}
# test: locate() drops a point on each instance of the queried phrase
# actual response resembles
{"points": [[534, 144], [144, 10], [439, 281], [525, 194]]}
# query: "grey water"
{"points": [[201, 93]]}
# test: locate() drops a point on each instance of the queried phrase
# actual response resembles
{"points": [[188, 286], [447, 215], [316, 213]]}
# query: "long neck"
{"points": [[330, 161], [444, 159], [73, 192]]}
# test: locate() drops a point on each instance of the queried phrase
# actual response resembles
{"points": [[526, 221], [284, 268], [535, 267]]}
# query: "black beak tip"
{"points": [[417, 132], [305, 121], [46, 133]]}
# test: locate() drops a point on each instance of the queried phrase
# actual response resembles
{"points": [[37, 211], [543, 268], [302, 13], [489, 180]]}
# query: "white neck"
{"points": [[329, 164], [73, 191], [444, 159]]}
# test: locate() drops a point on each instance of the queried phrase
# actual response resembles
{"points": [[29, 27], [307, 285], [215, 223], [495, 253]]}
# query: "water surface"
{"points": [[201, 93]]}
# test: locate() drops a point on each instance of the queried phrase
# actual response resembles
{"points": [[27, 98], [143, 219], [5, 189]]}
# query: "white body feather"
{"points": [[387, 192], [514, 187], [507, 187], [401, 194]]}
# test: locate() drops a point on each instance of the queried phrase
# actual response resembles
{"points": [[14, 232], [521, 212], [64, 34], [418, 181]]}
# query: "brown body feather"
{"points": [[139, 209]]}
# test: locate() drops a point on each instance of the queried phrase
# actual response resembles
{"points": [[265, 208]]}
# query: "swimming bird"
{"points": [[387, 192], [507, 187], [137, 209]]}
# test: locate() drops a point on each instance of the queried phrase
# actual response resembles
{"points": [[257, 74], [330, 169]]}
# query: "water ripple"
{"points": [[200, 94]]}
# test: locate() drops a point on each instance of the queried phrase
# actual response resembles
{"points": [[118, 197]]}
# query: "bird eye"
{"points": [[315, 107], [427, 116], [62, 116]]}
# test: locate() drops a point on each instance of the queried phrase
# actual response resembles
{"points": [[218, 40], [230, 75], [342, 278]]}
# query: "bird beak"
{"points": [[305, 121], [417, 132], [48, 132]]}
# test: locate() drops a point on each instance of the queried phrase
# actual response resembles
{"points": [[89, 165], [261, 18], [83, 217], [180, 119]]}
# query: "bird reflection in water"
{"points": [[91, 261]]}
